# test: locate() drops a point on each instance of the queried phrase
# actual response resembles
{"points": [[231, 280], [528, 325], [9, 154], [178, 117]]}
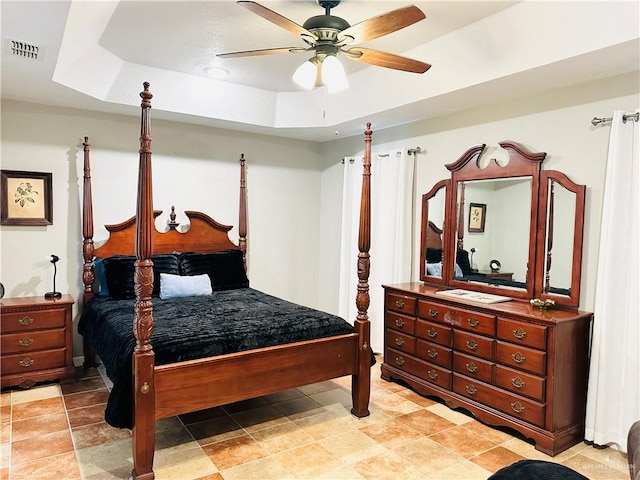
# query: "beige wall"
{"points": [[558, 122], [195, 168]]}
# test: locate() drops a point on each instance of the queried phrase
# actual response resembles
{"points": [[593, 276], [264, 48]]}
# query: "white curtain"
{"points": [[613, 398], [391, 227]]}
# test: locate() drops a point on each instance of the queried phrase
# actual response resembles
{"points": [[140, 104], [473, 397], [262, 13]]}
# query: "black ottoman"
{"points": [[536, 470]]}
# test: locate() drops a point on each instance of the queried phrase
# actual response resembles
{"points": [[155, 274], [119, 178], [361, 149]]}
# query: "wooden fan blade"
{"points": [[276, 18], [264, 51], [388, 60], [383, 24]]}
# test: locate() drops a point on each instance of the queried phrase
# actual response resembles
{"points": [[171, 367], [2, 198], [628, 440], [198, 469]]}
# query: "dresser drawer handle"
{"points": [[432, 374], [517, 407], [400, 361], [472, 344], [471, 367], [471, 390], [518, 382], [519, 333], [26, 362], [399, 322], [433, 312], [400, 303], [473, 322], [25, 321], [432, 332], [518, 357], [25, 342], [432, 353], [399, 341]]}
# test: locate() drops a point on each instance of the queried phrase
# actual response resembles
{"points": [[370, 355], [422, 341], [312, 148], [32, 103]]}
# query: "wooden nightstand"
{"points": [[36, 340]]}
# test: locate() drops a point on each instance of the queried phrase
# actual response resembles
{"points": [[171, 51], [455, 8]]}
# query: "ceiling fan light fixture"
{"points": [[306, 74], [333, 75]]}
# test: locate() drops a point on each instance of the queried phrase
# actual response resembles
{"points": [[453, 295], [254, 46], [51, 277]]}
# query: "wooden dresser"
{"points": [[509, 364], [36, 340]]}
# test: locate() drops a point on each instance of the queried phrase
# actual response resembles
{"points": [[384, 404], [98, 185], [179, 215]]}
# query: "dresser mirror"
{"points": [[507, 228]]}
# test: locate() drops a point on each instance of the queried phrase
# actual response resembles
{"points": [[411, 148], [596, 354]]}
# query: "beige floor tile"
{"points": [[608, 456], [454, 416], [496, 458], [426, 422], [40, 447], [344, 473], [326, 424], [308, 461], [36, 393], [388, 466], [282, 437], [86, 415], [37, 426], [320, 387], [330, 397], [352, 447], [263, 469], [233, 452], [394, 405], [462, 441], [182, 464], [5, 399], [417, 398], [5, 413], [109, 460], [429, 456], [465, 470], [45, 406], [5, 432], [528, 450], [391, 434], [493, 434], [297, 407], [97, 434], [594, 470], [59, 467]]}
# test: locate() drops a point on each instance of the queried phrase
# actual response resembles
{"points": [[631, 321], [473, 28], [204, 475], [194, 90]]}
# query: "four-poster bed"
{"points": [[157, 377]]}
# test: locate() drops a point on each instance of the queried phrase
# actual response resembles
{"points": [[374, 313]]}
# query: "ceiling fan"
{"points": [[326, 35]]}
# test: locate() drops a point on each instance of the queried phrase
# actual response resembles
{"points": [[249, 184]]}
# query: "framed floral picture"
{"points": [[477, 214], [26, 198]]}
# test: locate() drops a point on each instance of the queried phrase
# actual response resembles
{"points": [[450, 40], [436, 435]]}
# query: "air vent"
{"points": [[17, 48]]}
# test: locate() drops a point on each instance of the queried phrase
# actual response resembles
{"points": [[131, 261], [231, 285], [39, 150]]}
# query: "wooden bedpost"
{"points": [[242, 223], [143, 355], [361, 381], [88, 275]]}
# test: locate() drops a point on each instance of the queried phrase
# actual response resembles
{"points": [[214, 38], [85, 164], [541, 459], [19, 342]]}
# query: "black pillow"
{"points": [[462, 259], [434, 255], [120, 269], [225, 269]]}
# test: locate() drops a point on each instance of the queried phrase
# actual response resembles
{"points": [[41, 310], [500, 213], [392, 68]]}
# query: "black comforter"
{"points": [[196, 327]]}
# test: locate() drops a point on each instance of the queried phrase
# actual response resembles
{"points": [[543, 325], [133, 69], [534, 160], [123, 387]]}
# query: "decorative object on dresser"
{"points": [[36, 340], [509, 363], [53, 293], [26, 198]]}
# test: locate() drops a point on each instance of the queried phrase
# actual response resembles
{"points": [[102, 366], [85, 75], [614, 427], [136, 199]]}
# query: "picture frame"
{"points": [[26, 198], [477, 217]]}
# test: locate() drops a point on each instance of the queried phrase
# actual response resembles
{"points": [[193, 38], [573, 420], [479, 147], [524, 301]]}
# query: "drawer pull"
{"points": [[471, 390], [432, 374], [432, 353], [400, 361], [399, 341], [473, 322], [518, 382], [400, 303], [472, 344], [519, 333], [25, 342], [518, 357], [433, 312], [517, 407], [25, 321], [472, 367], [399, 322], [26, 362], [432, 332]]}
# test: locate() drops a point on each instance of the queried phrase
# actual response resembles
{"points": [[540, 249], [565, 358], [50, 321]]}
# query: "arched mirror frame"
{"points": [[522, 163], [430, 232], [545, 238]]}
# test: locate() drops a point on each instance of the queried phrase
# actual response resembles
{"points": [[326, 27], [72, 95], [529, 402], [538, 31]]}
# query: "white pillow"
{"points": [[172, 286]]}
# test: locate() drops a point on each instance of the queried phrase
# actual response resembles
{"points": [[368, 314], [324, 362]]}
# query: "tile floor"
{"points": [[58, 432]]}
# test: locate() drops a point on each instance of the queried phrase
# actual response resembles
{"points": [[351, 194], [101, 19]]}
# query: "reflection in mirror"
{"points": [[494, 221], [561, 212], [433, 218]]}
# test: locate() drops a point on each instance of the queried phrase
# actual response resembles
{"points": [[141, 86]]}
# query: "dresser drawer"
{"points": [[472, 321], [33, 361], [473, 344], [520, 357], [513, 405], [520, 382], [33, 320], [426, 371], [434, 353], [473, 367], [401, 341], [399, 322], [31, 341], [401, 303], [434, 332], [522, 333]]}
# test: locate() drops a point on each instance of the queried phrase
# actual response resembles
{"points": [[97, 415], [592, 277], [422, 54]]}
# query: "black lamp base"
{"points": [[52, 295]]}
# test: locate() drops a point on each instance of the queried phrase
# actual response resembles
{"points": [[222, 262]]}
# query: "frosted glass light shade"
{"points": [[333, 75], [305, 75]]}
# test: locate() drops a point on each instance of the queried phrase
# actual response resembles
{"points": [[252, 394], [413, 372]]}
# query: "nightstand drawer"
{"points": [[33, 361], [32, 341], [33, 320]]}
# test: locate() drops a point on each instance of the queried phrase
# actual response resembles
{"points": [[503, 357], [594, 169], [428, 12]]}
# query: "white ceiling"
{"points": [[96, 54]]}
